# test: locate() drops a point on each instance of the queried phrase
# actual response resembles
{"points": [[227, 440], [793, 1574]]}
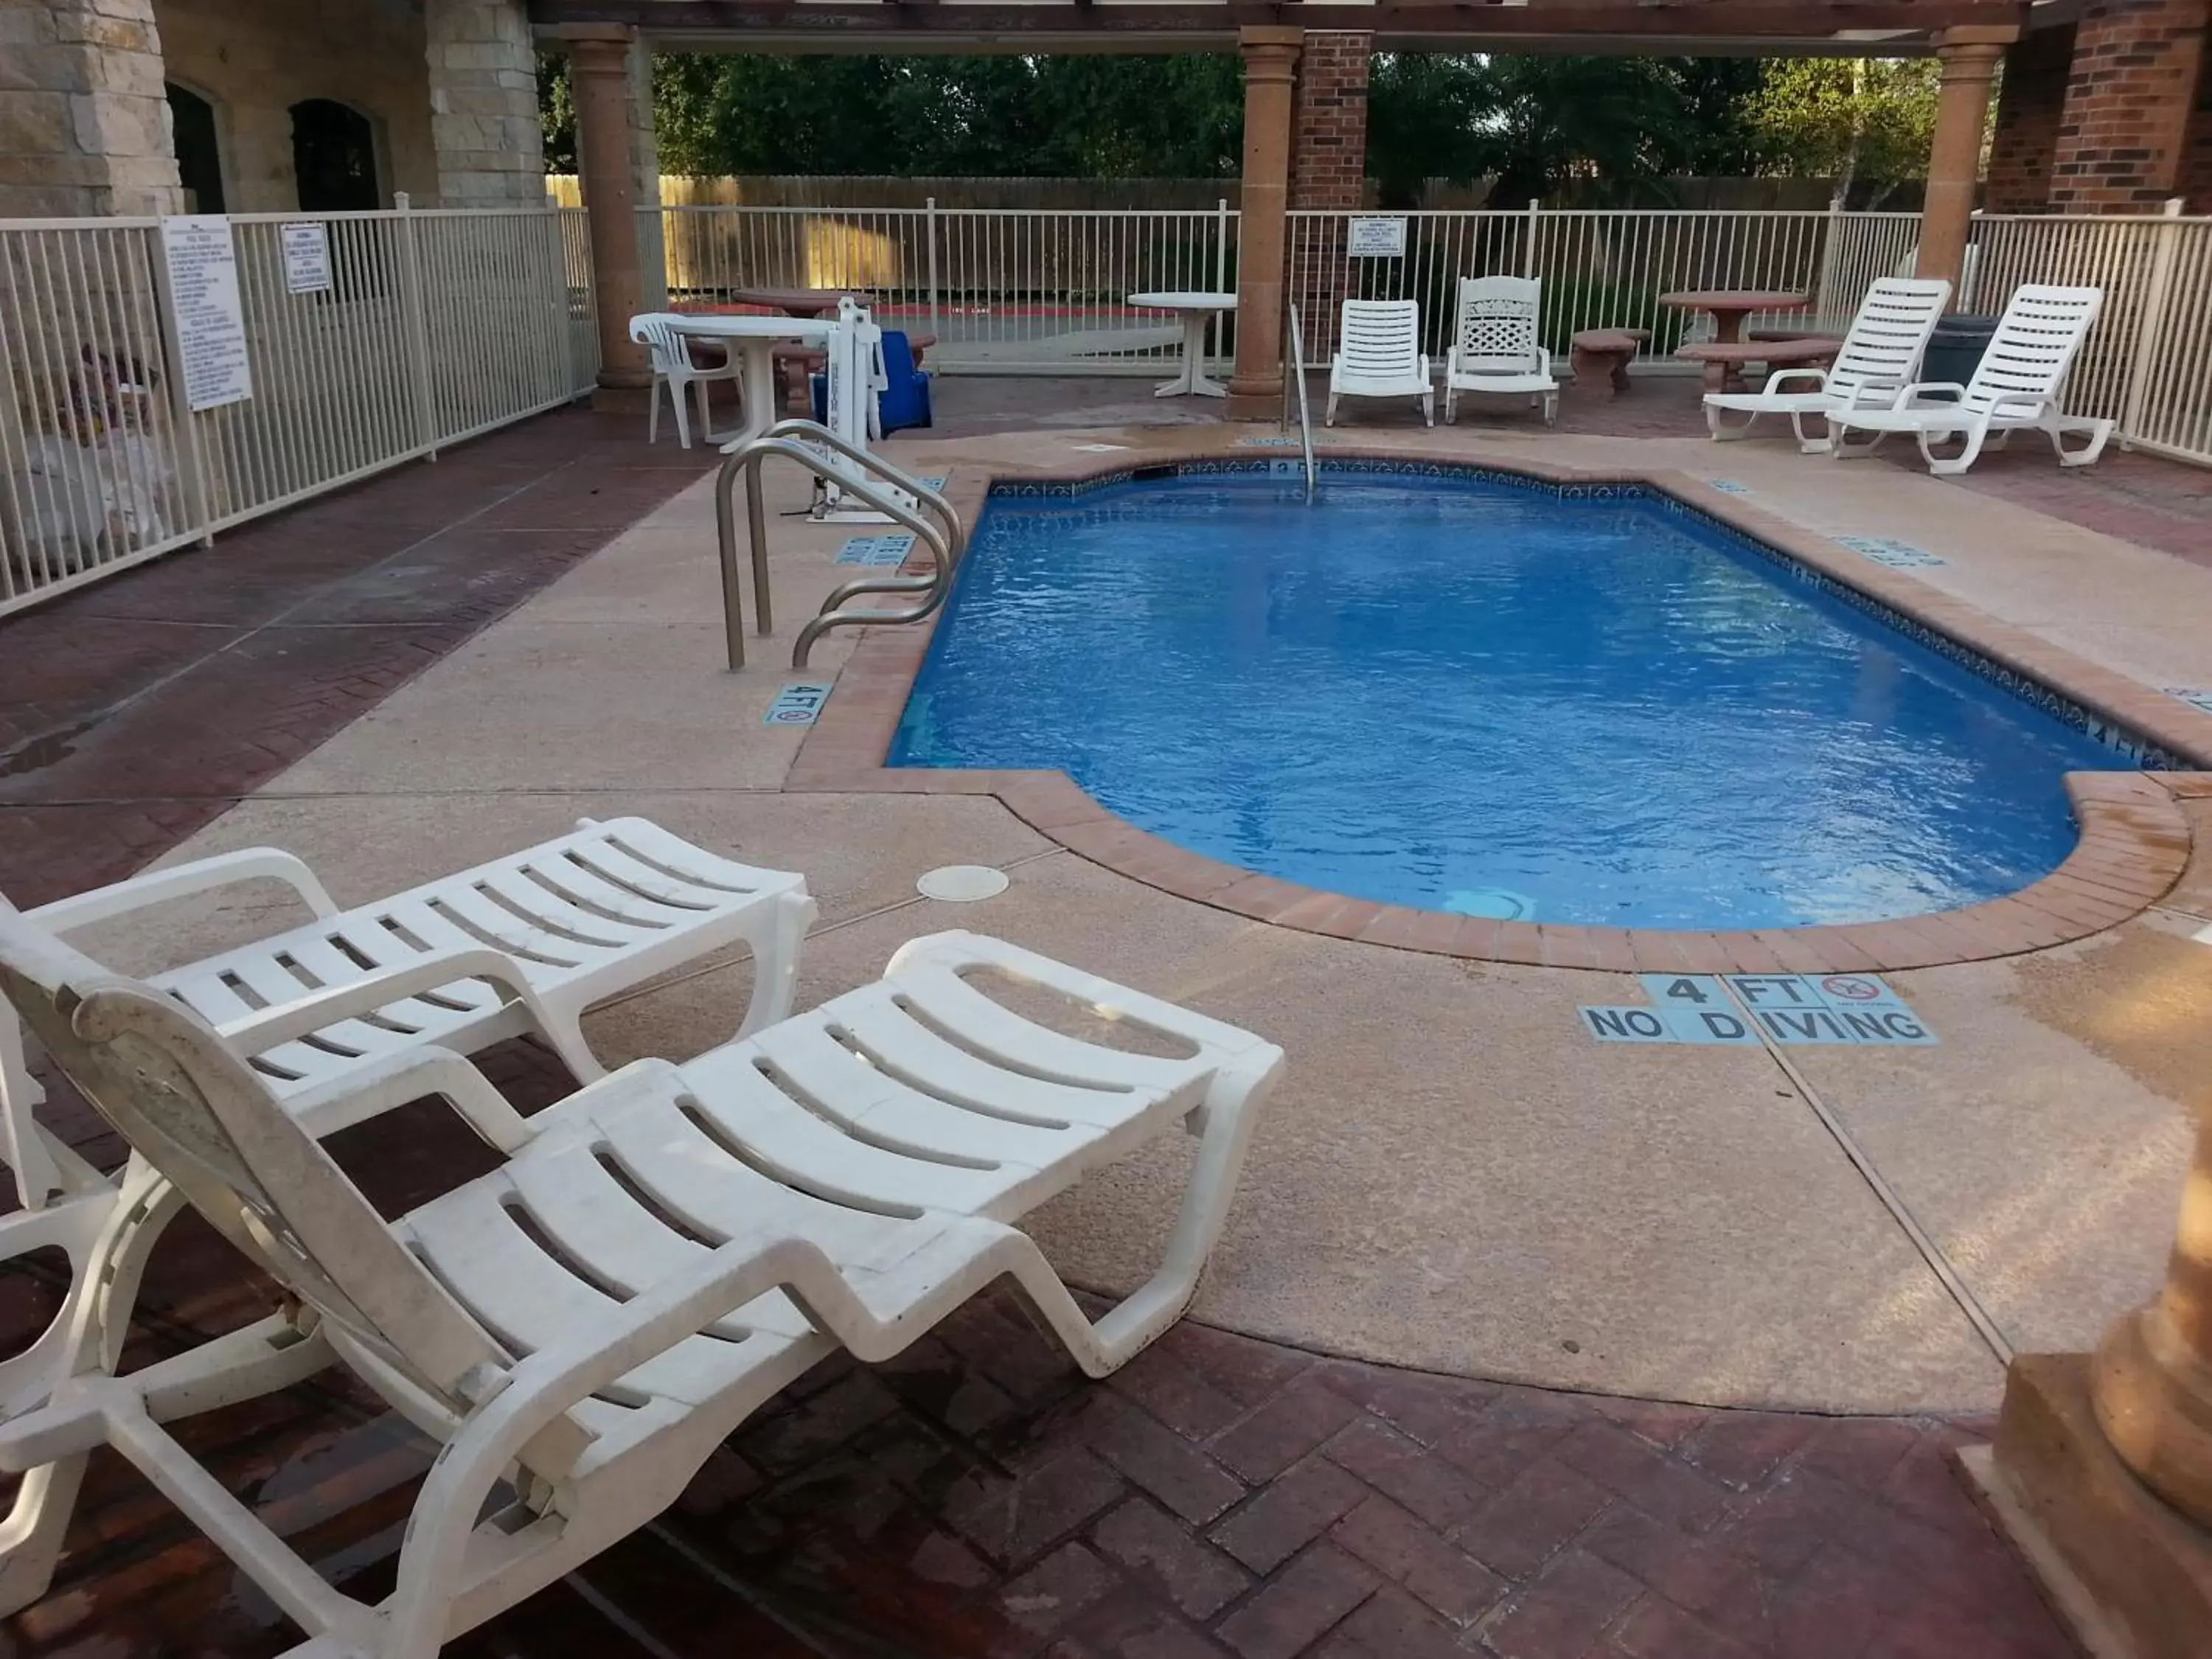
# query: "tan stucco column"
{"points": [[599, 57], [1970, 57], [1271, 61]]}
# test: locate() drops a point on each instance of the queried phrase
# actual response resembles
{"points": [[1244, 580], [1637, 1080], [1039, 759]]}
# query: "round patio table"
{"points": [[755, 337], [1197, 311], [796, 301], [1730, 306]]}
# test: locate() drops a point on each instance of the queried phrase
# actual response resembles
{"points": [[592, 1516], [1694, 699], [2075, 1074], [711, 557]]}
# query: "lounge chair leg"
{"points": [[1975, 436], [1809, 445], [1551, 408], [2100, 431], [1329, 415], [776, 963], [1451, 405], [1723, 433], [1429, 407]]}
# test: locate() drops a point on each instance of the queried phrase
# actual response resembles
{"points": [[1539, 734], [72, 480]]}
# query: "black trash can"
{"points": [[1955, 349]]}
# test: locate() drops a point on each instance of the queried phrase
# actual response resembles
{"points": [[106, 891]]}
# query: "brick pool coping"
{"points": [[2134, 838]]}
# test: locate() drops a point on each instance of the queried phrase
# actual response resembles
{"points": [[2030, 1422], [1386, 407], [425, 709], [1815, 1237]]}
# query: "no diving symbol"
{"points": [[1852, 988]]}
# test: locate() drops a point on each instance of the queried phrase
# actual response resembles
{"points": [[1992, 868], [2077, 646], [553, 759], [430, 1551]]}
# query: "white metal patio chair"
{"points": [[1379, 355], [674, 367], [1494, 347], [659, 1254], [1879, 355], [2016, 388], [524, 943]]}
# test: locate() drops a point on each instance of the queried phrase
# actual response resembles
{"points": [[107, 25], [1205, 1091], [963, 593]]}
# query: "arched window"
{"points": [[199, 158], [334, 158]]}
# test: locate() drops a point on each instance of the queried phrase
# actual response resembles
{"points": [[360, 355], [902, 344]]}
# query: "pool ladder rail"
{"points": [[1305, 417], [947, 537]]}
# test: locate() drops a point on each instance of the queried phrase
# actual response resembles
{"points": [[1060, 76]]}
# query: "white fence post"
{"points": [[929, 237], [2157, 293], [1529, 240], [1220, 265], [418, 336]]}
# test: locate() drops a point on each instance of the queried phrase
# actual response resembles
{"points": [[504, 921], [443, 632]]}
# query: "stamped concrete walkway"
{"points": [[1457, 1197]]}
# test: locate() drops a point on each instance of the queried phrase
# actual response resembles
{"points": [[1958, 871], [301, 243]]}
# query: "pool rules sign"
{"points": [[1752, 1010], [202, 266]]}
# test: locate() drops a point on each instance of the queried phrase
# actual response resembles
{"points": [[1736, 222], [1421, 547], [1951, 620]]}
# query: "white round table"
{"points": [[755, 337], [1197, 310]]}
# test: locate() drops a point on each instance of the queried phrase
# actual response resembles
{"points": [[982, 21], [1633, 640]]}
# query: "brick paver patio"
{"points": [[1221, 1496]]}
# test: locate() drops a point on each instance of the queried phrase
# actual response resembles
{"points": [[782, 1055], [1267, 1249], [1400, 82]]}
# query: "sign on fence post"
{"points": [[1376, 239], [202, 263], [307, 255]]}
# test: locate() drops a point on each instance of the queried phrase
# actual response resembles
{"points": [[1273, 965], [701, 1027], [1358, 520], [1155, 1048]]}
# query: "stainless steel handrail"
{"points": [[746, 455], [1306, 417]]}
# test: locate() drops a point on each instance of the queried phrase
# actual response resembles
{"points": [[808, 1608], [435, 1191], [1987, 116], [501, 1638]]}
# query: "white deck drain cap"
{"points": [[961, 883]]}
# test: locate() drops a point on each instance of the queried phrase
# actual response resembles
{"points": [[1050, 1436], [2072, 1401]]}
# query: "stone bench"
{"points": [[1606, 351], [1724, 362]]}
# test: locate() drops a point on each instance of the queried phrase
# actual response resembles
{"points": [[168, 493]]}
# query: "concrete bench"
{"points": [[1724, 362], [1606, 351]]}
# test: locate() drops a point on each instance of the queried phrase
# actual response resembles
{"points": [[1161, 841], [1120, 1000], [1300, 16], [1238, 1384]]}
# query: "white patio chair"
{"points": [[2015, 387], [522, 944], [1379, 355], [674, 367], [1494, 347], [658, 1255], [1879, 355]]}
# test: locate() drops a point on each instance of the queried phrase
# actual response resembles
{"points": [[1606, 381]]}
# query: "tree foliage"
{"points": [[1848, 120]]}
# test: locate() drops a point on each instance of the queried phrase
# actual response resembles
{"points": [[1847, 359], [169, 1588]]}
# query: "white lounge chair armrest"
{"points": [[1544, 363], [1875, 394], [294, 1020], [1913, 395], [178, 881], [1426, 374], [1817, 376], [391, 1081]]}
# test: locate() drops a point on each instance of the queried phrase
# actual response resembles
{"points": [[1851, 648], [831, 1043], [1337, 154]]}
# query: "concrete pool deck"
{"points": [[1454, 1177]]}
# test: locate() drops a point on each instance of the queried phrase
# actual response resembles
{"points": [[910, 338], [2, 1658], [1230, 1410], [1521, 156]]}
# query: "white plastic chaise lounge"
{"points": [[1379, 355], [1880, 355], [2015, 387], [1494, 348], [658, 1255], [524, 943]]}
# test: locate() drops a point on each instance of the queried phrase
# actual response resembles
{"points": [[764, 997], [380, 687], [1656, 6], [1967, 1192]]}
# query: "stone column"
{"points": [[600, 77], [484, 103], [84, 123], [1970, 58], [1271, 56], [2030, 106], [2125, 134]]}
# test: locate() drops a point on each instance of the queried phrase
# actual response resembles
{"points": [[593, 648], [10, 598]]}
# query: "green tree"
{"points": [[1853, 120]]}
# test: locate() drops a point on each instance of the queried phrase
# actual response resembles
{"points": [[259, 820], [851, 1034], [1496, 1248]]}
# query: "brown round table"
{"points": [[1730, 306], [794, 301]]}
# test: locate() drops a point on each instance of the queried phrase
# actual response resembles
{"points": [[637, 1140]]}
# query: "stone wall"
{"points": [[254, 59], [2030, 108], [484, 103], [2135, 82], [84, 125]]}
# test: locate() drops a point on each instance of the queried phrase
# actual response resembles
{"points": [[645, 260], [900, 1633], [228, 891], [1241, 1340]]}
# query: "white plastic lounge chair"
{"points": [[658, 1255], [674, 367], [1494, 347], [2015, 387], [524, 944], [1880, 355], [1379, 355]]}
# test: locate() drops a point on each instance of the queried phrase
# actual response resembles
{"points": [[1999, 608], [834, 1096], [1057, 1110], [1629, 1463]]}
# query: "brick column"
{"points": [[2030, 107], [1271, 56], [84, 125], [1328, 171], [599, 66], [1970, 57], [2137, 69], [484, 103]]}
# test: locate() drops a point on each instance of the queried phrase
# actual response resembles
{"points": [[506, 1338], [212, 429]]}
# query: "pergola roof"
{"points": [[1776, 28]]}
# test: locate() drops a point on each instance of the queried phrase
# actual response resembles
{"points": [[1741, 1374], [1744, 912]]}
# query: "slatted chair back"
{"points": [[665, 344], [1496, 326], [2034, 347], [1380, 339], [1886, 340], [170, 1085]]}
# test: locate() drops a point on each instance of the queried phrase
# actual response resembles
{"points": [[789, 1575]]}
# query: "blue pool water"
{"points": [[1461, 694]]}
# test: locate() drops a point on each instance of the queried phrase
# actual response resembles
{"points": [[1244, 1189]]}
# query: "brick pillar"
{"points": [[2137, 69], [2194, 184], [1969, 56], [1271, 56], [84, 125], [1328, 170], [484, 103], [2030, 107]]}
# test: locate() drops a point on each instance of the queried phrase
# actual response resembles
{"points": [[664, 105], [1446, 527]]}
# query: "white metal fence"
{"points": [[435, 326]]}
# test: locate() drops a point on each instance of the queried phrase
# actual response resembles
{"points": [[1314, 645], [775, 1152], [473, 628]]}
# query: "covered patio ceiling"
{"points": [[1766, 28]]}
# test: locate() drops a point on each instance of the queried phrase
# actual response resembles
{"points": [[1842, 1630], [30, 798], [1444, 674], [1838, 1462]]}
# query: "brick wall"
{"points": [[2194, 184], [2134, 81], [1329, 123], [2030, 110]]}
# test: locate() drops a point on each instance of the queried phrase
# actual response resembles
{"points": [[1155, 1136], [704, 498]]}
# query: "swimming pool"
{"points": [[1475, 694]]}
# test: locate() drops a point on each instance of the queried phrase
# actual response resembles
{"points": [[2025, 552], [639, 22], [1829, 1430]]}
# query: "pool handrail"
{"points": [[746, 454], [1306, 417]]}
